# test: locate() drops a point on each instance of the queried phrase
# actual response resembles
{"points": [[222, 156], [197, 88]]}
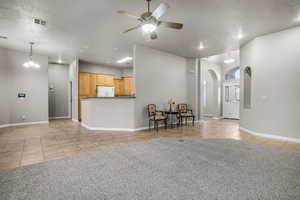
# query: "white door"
{"points": [[231, 100]]}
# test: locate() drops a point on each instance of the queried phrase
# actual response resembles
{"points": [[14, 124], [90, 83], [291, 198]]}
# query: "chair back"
{"points": [[182, 108], [151, 110]]}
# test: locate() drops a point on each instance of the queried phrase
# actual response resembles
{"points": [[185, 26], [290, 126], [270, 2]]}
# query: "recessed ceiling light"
{"points": [[230, 60], [201, 46], [240, 36], [124, 59]]}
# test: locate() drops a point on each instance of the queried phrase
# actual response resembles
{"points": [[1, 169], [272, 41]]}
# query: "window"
{"points": [[233, 74], [247, 87]]}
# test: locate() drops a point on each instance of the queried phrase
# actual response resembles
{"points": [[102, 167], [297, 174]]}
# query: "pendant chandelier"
{"points": [[30, 63]]}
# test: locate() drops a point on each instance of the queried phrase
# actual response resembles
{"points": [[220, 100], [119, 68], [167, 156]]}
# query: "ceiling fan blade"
{"points": [[125, 13], [160, 10], [170, 25], [153, 36], [133, 28]]}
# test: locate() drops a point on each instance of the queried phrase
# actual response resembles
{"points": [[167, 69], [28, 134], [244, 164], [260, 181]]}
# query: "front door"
{"points": [[231, 100]]}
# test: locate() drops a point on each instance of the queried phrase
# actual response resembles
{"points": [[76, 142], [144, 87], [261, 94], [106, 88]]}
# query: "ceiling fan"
{"points": [[149, 21]]}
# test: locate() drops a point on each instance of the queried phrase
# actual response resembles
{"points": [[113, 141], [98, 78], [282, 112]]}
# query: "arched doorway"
{"points": [[231, 94], [211, 106]]}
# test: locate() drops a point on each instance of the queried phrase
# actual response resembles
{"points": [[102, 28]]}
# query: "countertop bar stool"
{"points": [[156, 116], [185, 113]]}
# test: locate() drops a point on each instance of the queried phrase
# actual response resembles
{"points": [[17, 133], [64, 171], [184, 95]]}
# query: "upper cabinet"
{"points": [[104, 80], [128, 86], [109, 80], [93, 85], [84, 84], [88, 83]]}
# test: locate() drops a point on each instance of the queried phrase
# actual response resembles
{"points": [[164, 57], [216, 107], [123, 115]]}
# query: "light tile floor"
{"points": [[25, 145]]}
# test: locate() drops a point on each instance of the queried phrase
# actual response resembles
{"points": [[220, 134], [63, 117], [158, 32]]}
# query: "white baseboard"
{"points": [[124, 129], [23, 124], [275, 137], [106, 129], [64, 117], [4, 125], [75, 120]]}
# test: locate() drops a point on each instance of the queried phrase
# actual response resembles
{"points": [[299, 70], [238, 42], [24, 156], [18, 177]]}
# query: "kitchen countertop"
{"points": [[118, 97]]}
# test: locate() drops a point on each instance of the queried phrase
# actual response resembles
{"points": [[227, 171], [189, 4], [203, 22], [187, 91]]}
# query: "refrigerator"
{"points": [[105, 91]]}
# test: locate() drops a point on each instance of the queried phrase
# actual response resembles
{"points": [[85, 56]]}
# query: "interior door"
{"points": [[231, 100]]}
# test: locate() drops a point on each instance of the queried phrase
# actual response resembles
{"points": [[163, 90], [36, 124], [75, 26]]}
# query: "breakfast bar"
{"points": [[108, 113]]}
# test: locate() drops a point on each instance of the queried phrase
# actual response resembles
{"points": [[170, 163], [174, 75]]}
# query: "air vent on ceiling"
{"points": [[39, 21]]}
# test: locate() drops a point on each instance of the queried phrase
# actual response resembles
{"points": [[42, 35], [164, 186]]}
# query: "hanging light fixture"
{"points": [[31, 63]]}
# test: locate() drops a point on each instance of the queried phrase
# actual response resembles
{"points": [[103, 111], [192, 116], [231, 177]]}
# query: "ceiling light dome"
{"points": [[148, 28]]}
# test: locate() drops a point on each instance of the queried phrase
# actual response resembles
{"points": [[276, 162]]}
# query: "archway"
{"points": [[212, 94]]}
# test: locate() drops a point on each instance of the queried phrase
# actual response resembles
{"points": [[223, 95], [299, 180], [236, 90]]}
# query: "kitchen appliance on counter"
{"points": [[105, 91]]}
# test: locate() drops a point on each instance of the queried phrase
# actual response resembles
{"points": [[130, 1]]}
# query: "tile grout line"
{"points": [[42, 148], [22, 153]]}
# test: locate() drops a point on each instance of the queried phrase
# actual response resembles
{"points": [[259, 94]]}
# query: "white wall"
{"points": [[193, 89], [159, 77], [34, 82], [275, 63], [58, 90], [210, 91], [4, 77], [101, 69], [73, 77], [127, 72]]}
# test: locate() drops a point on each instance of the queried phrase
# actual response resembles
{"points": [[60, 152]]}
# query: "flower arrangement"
{"points": [[171, 103]]}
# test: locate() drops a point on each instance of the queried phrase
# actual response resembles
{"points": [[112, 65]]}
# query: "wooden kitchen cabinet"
{"points": [[109, 80], [84, 84], [118, 84], [104, 80], [128, 86], [124, 86], [100, 79], [93, 85], [88, 83]]}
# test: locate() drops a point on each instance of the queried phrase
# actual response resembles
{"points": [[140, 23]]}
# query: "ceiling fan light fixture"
{"points": [[148, 28]]}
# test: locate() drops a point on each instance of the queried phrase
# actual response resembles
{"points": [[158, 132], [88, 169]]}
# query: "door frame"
{"points": [[230, 83]]}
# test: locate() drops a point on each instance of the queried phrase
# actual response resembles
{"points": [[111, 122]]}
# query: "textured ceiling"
{"points": [[90, 29]]}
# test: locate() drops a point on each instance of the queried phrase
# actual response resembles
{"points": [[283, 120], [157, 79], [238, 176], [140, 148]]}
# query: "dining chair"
{"points": [[156, 116], [184, 113]]}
